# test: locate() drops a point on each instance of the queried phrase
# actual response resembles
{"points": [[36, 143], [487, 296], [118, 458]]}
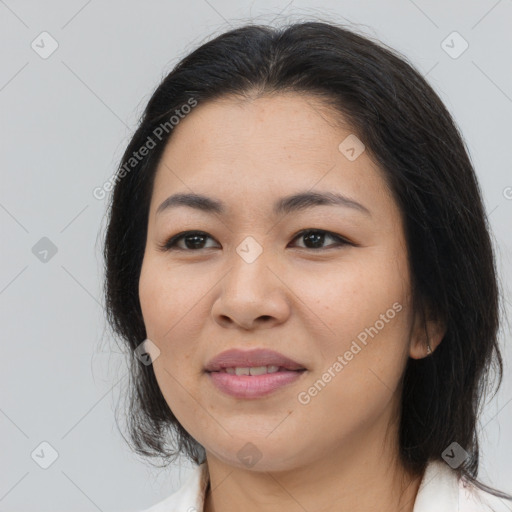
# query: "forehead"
{"points": [[267, 123], [253, 149]]}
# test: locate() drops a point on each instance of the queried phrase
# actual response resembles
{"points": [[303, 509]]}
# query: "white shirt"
{"points": [[439, 491]]}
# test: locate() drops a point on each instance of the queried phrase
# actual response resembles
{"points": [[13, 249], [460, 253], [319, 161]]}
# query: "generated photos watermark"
{"points": [[305, 397], [137, 156]]}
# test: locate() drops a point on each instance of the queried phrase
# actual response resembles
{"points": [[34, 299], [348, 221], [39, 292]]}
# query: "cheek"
{"points": [[350, 296], [167, 324], [357, 382], [366, 307], [171, 310], [165, 297], [150, 291]]}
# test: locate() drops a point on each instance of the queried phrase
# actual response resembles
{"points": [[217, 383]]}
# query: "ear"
{"points": [[427, 330]]}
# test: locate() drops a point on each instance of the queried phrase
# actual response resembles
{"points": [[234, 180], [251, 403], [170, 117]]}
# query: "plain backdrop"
{"points": [[66, 118]]}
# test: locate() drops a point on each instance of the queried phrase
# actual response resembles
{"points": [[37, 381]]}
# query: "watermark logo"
{"points": [[249, 455], [44, 455], [44, 250], [249, 249], [44, 45], [147, 352], [454, 45], [351, 147], [454, 455]]}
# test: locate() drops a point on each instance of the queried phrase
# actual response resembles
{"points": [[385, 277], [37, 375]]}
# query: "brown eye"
{"points": [[193, 241], [315, 238]]}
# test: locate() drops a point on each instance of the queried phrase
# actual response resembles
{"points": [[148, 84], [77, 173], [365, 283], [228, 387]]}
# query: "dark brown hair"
{"points": [[410, 134]]}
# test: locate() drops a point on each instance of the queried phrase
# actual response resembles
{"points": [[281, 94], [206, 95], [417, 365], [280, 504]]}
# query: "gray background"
{"points": [[65, 121]]}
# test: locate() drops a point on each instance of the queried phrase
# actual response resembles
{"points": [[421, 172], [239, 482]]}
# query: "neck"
{"points": [[363, 474]]}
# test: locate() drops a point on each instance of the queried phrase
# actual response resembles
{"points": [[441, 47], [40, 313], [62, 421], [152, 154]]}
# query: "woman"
{"points": [[299, 261]]}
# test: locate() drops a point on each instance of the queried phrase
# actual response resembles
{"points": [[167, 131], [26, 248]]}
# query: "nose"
{"points": [[252, 294]]}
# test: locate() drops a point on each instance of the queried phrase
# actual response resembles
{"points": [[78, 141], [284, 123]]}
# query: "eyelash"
{"points": [[170, 244]]}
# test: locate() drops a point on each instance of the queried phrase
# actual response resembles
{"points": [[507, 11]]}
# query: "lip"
{"points": [[252, 386], [255, 357], [255, 386]]}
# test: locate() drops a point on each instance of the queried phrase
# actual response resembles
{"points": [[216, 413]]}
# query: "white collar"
{"points": [[439, 489]]}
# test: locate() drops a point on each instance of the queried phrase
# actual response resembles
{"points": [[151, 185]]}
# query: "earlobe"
{"points": [[426, 337]]}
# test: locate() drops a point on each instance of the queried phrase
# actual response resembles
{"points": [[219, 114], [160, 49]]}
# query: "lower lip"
{"points": [[253, 386]]}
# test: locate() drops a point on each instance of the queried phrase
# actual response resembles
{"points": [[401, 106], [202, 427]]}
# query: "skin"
{"points": [[340, 450]]}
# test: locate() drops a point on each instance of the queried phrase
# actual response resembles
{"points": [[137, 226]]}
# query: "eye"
{"points": [[195, 240], [316, 237]]}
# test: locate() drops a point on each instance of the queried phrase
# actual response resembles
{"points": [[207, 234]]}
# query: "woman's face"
{"points": [[341, 310]]}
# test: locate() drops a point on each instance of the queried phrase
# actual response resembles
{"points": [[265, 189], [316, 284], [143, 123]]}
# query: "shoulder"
{"points": [[442, 491], [189, 497]]}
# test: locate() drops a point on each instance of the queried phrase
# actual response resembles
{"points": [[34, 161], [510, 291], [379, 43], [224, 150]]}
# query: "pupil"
{"points": [[316, 238], [195, 240]]}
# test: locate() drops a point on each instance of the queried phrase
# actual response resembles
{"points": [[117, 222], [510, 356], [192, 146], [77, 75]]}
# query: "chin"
{"points": [[258, 456]]}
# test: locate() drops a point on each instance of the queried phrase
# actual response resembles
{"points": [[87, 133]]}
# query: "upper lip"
{"points": [[246, 358]]}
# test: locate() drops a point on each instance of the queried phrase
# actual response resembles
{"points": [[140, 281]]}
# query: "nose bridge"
{"points": [[249, 264], [250, 289]]}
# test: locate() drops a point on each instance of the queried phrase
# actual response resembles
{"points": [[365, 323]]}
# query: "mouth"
{"points": [[255, 373], [256, 361], [255, 370], [253, 382]]}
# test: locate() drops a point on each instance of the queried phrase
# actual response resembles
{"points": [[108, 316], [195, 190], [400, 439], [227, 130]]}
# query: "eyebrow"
{"points": [[292, 203]]}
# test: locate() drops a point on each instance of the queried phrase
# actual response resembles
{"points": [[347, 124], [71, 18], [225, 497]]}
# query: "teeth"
{"points": [[258, 370], [254, 370]]}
